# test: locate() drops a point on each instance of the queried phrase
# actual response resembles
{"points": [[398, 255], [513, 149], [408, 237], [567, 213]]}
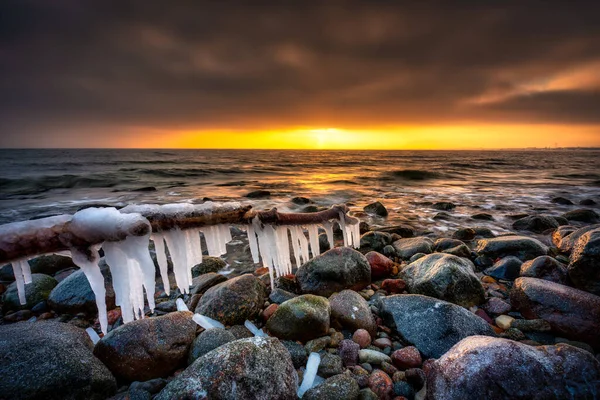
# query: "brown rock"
{"points": [[269, 311], [362, 337], [352, 311], [381, 266], [393, 286], [406, 358], [381, 384]]}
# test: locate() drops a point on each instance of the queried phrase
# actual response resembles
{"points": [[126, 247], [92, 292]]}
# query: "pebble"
{"points": [[367, 367], [388, 368], [318, 344], [504, 321], [399, 376], [372, 357], [404, 389], [348, 351], [266, 314], [531, 325], [416, 377], [408, 357], [362, 337], [21, 315], [381, 384], [330, 365], [382, 343], [336, 338], [367, 394], [497, 306]]}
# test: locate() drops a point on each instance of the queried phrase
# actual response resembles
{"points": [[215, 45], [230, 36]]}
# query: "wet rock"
{"points": [[505, 369], [51, 360], [376, 209], [375, 240], [381, 266], [466, 234], [367, 394], [201, 283], [351, 311], [535, 223], [208, 264], [302, 318], [234, 301], [400, 230], [207, 341], [335, 388], [333, 271], [584, 265], [565, 237], [507, 268], [561, 200], [404, 389], [38, 290], [279, 296], [406, 358], [148, 348], [330, 365], [582, 215], [445, 277], [373, 357], [240, 332], [483, 217], [258, 194], [545, 267], [432, 325], [531, 325], [297, 352], [483, 232], [381, 384], [301, 200], [253, 368], [318, 344], [572, 313], [362, 337], [408, 247], [287, 283], [587, 202], [74, 294], [522, 247], [393, 286], [444, 206], [496, 306]]}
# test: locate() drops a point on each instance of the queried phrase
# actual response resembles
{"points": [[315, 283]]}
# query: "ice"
{"points": [[328, 226], [312, 365], [93, 335], [255, 331], [161, 258], [318, 380], [216, 237], [99, 224], [342, 223], [313, 237], [176, 242], [20, 281], [26, 269], [299, 244], [252, 241], [207, 322], [351, 232], [181, 306]]}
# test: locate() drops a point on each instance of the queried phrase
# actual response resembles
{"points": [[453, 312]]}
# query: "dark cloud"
{"points": [[208, 64]]}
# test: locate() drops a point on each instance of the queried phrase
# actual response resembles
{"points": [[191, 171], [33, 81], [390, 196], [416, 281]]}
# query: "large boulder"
{"points": [[445, 277], [51, 360], [234, 301], [432, 325], [351, 311], [408, 247], [38, 290], [245, 369], [376, 209], [302, 318], [209, 340], [582, 215], [74, 294], [507, 268], [148, 348], [545, 267], [525, 248], [481, 367], [565, 237], [333, 271], [535, 223], [573, 313], [375, 241], [584, 265], [208, 264]]}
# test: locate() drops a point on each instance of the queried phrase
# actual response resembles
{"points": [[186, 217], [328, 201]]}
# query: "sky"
{"points": [[299, 74]]}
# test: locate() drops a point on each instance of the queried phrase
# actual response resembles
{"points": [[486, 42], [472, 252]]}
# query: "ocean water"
{"points": [[38, 183]]}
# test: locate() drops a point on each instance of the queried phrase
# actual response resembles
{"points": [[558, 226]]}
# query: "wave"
{"points": [[415, 174], [37, 185]]}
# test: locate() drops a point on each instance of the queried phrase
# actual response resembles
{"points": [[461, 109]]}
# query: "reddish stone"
{"points": [[428, 365], [389, 369], [407, 357], [381, 266], [46, 315], [266, 314], [261, 271], [362, 337], [482, 314], [382, 343], [385, 329], [381, 384], [488, 279], [393, 286], [113, 316]]}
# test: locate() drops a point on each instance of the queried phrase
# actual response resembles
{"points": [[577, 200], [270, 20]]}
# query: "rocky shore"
{"points": [[409, 315]]}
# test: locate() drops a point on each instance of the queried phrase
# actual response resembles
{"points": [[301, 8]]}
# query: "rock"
{"points": [[587, 202], [381, 266], [287, 283], [208, 264], [376, 209], [382, 343], [268, 312], [432, 325], [362, 338], [404, 389], [572, 313], [373, 356], [545, 267], [467, 234], [505, 369], [565, 237], [444, 205], [148, 348], [330, 365], [348, 351], [51, 360], [381, 384], [507, 268], [234, 301], [74, 294], [333, 271], [240, 332], [393, 286], [400, 230], [406, 358], [335, 388], [351, 311], [483, 232], [483, 217], [535, 223], [258, 194], [406, 248], [201, 283], [416, 377], [504, 321], [323, 243], [38, 290], [561, 200], [375, 241], [367, 394], [496, 306], [531, 325], [301, 318], [584, 265], [208, 341], [446, 243], [279, 296], [253, 368], [297, 352], [582, 215], [445, 277], [301, 200], [522, 247], [318, 344], [415, 257]]}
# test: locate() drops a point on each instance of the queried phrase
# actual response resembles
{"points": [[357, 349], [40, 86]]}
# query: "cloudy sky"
{"points": [[370, 74]]}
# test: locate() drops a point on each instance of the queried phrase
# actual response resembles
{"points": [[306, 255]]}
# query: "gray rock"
{"points": [[545, 267], [408, 247], [432, 325], [302, 318], [335, 388], [466, 234], [376, 208], [38, 290], [350, 310], [297, 352], [373, 357], [258, 194], [240, 332], [253, 368], [148, 348], [279, 296], [582, 215], [208, 264], [51, 360], [445, 277], [507, 268], [522, 247], [335, 270], [375, 241], [330, 365], [584, 265], [505, 369], [535, 223], [208, 341], [201, 283]]}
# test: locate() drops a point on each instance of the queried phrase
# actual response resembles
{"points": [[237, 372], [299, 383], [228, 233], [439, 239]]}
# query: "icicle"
{"points": [[342, 223], [92, 272], [207, 322], [161, 258], [26, 269], [93, 335], [300, 244], [18, 272], [181, 306], [318, 380], [253, 243], [328, 226], [255, 331], [176, 241], [139, 251], [313, 236], [312, 365]]}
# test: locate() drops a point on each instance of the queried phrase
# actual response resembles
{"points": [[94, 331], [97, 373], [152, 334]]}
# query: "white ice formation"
{"points": [[312, 366], [131, 265], [255, 331], [207, 322]]}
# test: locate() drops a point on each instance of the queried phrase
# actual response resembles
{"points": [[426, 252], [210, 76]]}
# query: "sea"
{"points": [[38, 183]]}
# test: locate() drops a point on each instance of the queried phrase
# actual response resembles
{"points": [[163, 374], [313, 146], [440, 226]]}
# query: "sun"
{"points": [[325, 137]]}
